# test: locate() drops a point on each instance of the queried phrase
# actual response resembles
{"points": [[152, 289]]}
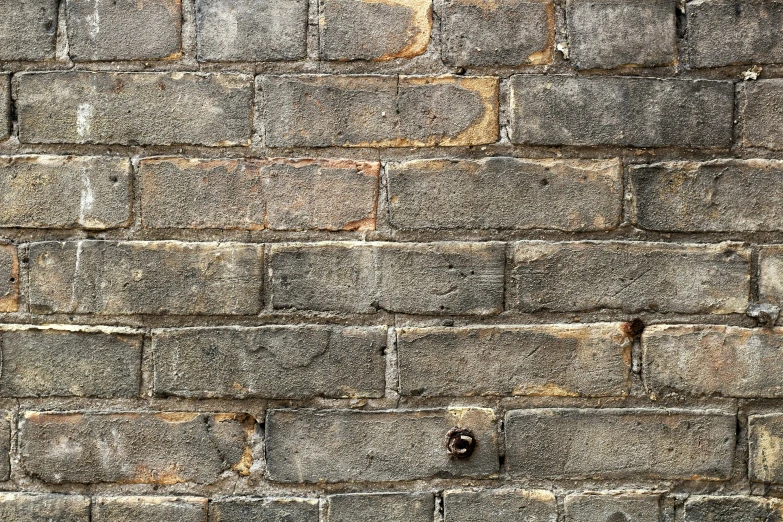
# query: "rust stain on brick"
{"points": [[546, 55]]}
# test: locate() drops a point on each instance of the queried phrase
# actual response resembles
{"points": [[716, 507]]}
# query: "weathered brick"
{"points": [[134, 108], [504, 505], [771, 274], [605, 34], [715, 196], [635, 112], [354, 446], [256, 194], [499, 32], [569, 360], [140, 277], [123, 29], [27, 29], [134, 448], [758, 105], [374, 30], [435, 278], [620, 443], [726, 32], [69, 361], [713, 360], [64, 191], [732, 509], [251, 30], [609, 507], [9, 279], [270, 361], [391, 507], [505, 193], [264, 510], [149, 509], [631, 276], [765, 442], [32, 507], [5, 105], [5, 447], [377, 111]]}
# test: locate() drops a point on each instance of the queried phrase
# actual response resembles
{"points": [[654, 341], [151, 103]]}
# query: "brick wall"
{"points": [[399, 260]]}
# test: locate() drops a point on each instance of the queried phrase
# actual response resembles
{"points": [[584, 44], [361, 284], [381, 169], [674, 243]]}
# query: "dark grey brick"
{"points": [[504, 505], [251, 30], [270, 361], [264, 510], [67, 361], [149, 509], [732, 509], [610, 507], [505, 193], [620, 443], [610, 33], [140, 277], [28, 29], [390, 507], [134, 108], [758, 106], [635, 112], [355, 446], [9, 279]]}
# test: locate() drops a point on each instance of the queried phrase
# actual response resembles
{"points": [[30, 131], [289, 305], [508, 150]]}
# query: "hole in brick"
{"points": [[113, 179], [544, 182]]}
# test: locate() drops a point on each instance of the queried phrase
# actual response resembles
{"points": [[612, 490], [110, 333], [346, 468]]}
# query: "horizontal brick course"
{"points": [[134, 448], [376, 111], [134, 108], [631, 276], [634, 112], [69, 361], [620, 444], [352, 446], [138, 277], [277, 194], [44, 191], [424, 278], [560, 360], [505, 193], [270, 361]]}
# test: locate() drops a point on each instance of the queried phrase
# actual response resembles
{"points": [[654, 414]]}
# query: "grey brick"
{"points": [[27, 29], [715, 196], [713, 360], [64, 191], [149, 509], [505, 193], [270, 361], [134, 108], [499, 505], [264, 510], [278, 194], [9, 279], [123, 29], [377, 111], [5, 105], [139, 277], [32, 507], [758, 105], [727, 32], [355, 446], [631, 276], [134, 448], [635, 112], [620, 443], [606, 507], [565, 360], [732, 508], [67, 361], [390, 507], [5, 447], [374, 30], [765, 439], [435, 278], [611, 33], [251, 30], [505, 32], [771, 274]]}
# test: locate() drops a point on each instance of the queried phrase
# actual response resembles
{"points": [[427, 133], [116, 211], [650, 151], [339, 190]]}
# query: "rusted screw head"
{"points": [[460, 442]]}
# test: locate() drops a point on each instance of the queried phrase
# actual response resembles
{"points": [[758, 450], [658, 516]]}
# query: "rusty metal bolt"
{"points": [[460, 442]]}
